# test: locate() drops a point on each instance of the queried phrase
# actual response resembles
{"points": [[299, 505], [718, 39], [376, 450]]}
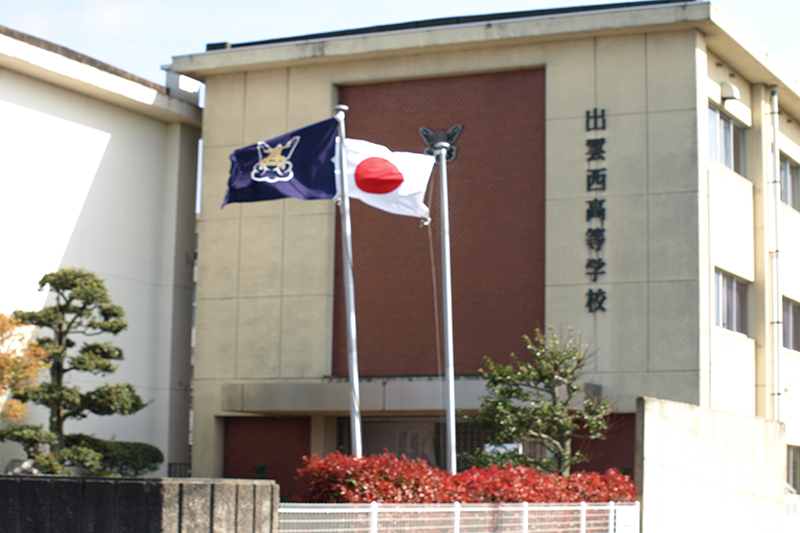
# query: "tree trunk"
{"points": [[564, 461]]}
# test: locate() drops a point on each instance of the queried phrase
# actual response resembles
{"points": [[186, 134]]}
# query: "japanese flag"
{"points": [[392, 181]]}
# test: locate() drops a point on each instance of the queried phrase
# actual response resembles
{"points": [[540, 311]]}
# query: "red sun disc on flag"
{"points": [[376, 175]]}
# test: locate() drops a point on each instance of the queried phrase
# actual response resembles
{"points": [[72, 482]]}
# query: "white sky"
{"points": [[141, 35]]}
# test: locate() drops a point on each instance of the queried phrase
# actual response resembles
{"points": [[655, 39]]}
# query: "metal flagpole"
{"points": [[349, 292], [447, 293]]}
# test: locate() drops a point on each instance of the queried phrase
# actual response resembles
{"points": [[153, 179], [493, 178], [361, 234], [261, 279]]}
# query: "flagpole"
{"points": [[349, 292], [447, 292]]}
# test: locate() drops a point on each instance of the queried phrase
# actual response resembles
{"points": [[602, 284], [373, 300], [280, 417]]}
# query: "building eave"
{"points": [[65, 68], [724, 37], [408, 41], [737, 48]]}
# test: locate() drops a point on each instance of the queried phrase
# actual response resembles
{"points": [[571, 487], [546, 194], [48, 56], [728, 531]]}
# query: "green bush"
{"points": [[112, 457]]}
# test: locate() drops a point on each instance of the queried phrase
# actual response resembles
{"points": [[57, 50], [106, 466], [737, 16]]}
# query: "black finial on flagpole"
{"points": [[431, 138]]}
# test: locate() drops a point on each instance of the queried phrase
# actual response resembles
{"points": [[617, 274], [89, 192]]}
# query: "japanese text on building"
{"points": [[595, 209]]}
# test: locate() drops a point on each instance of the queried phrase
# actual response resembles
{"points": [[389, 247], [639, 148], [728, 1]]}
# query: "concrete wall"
{"points": [[790, 284], [789, 229], [732, 378], [790, 395], [703, 470], [109, 188], [53, 504], [648, 339]]}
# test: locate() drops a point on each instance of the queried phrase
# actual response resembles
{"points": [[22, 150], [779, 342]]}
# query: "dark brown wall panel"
{"points": [[278, 442], [617, 450], [497, 217]]}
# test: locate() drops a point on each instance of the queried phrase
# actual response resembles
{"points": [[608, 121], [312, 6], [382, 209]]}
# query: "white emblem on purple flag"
{"points": [[274, 163]]}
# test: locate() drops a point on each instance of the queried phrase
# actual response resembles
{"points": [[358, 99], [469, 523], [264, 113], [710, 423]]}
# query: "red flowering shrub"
{"points": [[612, 486], [511, 484], [387, 478], [381, 478]]}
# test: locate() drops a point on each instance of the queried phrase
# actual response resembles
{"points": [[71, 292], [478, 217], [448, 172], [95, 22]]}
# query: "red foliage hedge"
{"points": [[385, 478]]}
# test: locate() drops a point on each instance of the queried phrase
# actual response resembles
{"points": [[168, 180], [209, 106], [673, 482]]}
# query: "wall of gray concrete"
{"points": [[703, 470], [54, 504]]}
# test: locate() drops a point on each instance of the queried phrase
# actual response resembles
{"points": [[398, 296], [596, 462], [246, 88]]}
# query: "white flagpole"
{"points": [[441, 148], [349, 292]]}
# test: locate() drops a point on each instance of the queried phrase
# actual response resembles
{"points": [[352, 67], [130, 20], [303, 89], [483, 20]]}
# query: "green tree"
{"points": [[532, 400], [82, 308]]}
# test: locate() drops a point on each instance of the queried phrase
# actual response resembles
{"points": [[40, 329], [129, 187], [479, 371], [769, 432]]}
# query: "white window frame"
{"points": [[726, 140], [790, 182], [730, 310]]}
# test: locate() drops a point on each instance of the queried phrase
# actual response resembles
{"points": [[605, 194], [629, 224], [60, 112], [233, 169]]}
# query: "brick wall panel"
{"points": [[497, 202]]}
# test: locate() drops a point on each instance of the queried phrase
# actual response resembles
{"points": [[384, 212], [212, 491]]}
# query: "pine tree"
{"points": [[82, 308]]}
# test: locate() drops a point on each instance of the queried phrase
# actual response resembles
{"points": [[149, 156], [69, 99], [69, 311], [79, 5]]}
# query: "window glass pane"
{"points": [[794, 467], [713, 134], [795, 327], [730, 306], [718, 299], [738, 150], [726, 141], [740, 306], [784, 180], [727, 302], [790, 183], [787, 324]]}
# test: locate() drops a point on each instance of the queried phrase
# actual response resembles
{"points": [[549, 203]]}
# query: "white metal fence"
{"points": [[459, 518]]}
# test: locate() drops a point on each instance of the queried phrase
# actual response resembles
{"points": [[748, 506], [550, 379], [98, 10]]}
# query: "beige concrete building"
{"points": [[634, 144]]}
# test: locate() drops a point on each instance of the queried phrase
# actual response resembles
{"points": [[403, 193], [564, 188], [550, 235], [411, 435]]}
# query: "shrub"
{"points": [[384, 478], [112, 457], [98, 457], [520, 484], [533, 399]]}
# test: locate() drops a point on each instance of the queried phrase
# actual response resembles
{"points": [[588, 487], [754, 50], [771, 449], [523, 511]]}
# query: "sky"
{"points": [[140, 36]]}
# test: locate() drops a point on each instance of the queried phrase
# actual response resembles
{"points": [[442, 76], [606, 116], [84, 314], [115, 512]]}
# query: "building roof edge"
{"points": [[54, 64]]}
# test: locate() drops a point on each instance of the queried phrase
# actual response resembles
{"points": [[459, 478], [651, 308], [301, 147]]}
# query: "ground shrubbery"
{"points": [[385, 478]]}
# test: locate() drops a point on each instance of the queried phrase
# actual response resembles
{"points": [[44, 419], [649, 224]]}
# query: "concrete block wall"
{"points": [[704, 470], [54, 504]]}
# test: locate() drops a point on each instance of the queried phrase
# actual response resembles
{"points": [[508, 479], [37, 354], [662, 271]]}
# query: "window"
{"points": [[791, 325], [793, 464], [790, 183], [726, 140], [731, 303]]}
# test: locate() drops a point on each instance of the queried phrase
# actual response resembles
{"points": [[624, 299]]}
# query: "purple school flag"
{"points": [[297, 164]]}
